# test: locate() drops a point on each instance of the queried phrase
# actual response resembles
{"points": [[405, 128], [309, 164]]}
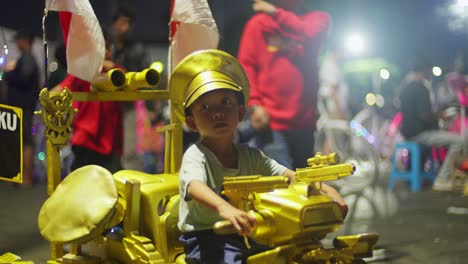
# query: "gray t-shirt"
{"points": [[199, 163]]}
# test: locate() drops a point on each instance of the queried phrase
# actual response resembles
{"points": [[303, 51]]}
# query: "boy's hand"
{"points": [[242, 221], [335, 195]]}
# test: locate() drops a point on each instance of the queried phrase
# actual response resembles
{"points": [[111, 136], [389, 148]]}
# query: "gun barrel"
{"points": [[325, 173], [110, 81]]}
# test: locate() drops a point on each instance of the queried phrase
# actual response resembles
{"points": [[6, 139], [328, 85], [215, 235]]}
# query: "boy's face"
{"points": [[216, 114]]}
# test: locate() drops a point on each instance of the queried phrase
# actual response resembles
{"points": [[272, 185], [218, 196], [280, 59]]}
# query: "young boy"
{"points": [[216, 91]]}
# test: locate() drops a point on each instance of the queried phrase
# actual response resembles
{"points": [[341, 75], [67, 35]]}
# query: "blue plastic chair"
{"points": [[414, 175]]}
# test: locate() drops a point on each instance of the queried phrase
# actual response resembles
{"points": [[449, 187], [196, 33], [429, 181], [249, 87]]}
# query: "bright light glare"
{"points": [[355, 43], [462, 3], [370, 99], [437, 71], [384, 74], [457, 12]]}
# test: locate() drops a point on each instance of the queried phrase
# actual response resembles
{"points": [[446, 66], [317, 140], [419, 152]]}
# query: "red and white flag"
{"points": [[192, 28], [82, 36]]}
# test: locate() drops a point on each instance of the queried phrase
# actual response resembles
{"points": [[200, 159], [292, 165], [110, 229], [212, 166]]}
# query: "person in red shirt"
{"points": [[97, 126], [279, 50]]}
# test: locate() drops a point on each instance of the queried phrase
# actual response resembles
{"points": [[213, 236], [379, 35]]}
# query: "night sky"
{"points": [[396, 30]]}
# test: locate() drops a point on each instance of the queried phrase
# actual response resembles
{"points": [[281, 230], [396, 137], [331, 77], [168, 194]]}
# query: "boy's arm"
{"points": [[290, 174], [203, 194], [325, 189], [335, 195]]}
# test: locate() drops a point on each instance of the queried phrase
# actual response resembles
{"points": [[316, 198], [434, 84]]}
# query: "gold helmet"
{"points": [[204, 71], [81, 208]]}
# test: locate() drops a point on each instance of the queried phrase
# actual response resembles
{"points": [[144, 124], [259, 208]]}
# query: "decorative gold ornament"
{"points": [[57, 114]]}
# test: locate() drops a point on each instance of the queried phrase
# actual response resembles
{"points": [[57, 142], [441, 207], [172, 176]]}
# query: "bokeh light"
{"points": [[41, 155], [384, 74], [437, 71], [379, 100], [361, 131], [370, 99], [355, 44]]}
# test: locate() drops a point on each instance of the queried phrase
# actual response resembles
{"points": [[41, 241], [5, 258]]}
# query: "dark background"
{"points": [[397, 30]]}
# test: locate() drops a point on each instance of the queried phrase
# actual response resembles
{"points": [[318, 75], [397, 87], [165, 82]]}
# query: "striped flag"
{"points": [[82, 36], [192, 28]]}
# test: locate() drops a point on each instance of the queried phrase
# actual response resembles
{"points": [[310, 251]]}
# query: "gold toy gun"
{"points": [[324, 168], [108, 82], [244, 188], [146, 78]]}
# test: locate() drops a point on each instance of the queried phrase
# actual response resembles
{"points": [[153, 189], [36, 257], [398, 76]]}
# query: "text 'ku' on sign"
{"points": [[11, 143]]}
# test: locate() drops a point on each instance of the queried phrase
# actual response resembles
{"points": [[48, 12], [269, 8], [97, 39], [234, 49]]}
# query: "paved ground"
{"points": [[19, 233], [425, 227]]}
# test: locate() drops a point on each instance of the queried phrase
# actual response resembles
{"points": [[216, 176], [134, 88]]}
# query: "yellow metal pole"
{"points": [[167, 151], [131, 219], [53, 167], [177, 146], [55, 106], [53, 179]]}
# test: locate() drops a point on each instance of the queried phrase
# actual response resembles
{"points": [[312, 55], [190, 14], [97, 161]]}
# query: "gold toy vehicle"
{"points": [[93, 216]]}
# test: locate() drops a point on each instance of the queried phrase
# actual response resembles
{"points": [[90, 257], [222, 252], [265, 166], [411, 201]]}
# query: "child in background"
{"points": [[216, 94], [150, 142], [97, 127]]}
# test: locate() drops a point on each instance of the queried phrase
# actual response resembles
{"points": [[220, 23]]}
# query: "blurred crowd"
{"points": [[111, 134]]}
